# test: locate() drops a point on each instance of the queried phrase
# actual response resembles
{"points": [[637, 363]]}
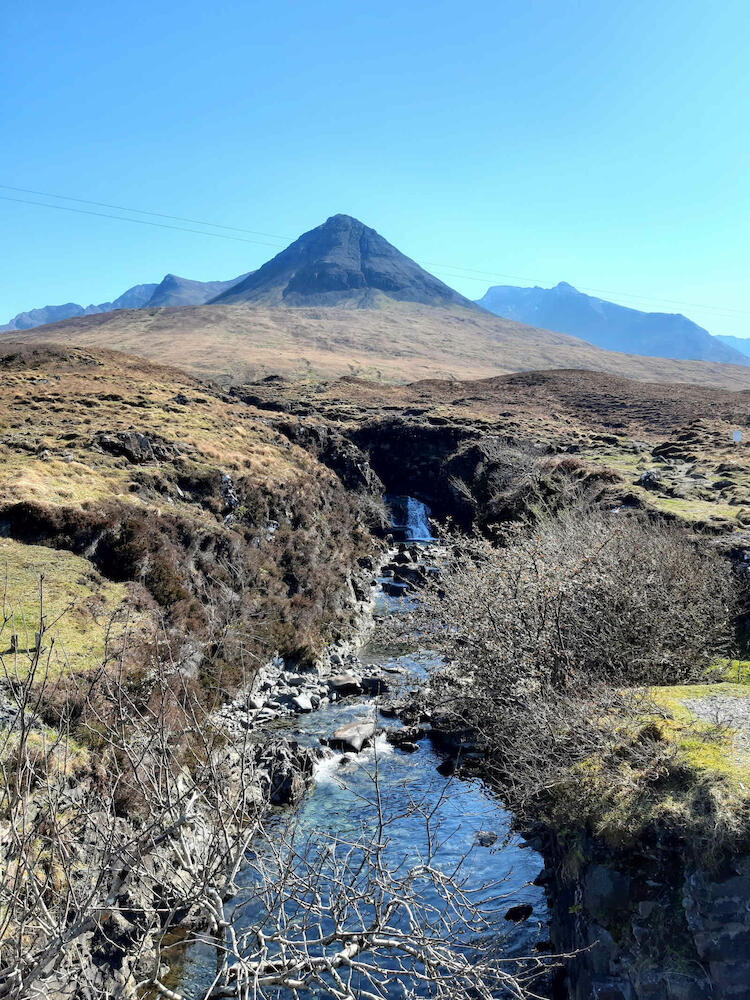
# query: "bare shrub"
{"points": [[551, 641], [134, 817], [500, 481], [584, 595]]}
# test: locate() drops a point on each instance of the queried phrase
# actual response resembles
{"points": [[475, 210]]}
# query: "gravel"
{"points": [[724, 710]]}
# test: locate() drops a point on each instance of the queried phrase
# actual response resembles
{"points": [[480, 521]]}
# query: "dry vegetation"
{"points": [[159, 482], [398, 343], [613, 427], [574, 651]]}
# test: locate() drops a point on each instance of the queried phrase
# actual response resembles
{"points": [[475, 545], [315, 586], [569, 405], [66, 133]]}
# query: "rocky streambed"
{"points": [[341, 713]]}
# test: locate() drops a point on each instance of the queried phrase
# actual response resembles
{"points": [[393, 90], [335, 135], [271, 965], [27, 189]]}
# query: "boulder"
{"points": [[650, 479], [302, 703], [410, 574], [345, 684], [134, 446], [405, 739], [287, 768], [485, 838], [353, 736], [374, 684], [519, 913]]}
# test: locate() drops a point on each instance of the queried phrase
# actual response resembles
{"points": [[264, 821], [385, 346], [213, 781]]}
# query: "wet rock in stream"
{"points": [[353, 736]]}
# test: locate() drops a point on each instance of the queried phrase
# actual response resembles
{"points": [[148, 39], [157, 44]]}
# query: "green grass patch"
{"points": [[80, 609]]}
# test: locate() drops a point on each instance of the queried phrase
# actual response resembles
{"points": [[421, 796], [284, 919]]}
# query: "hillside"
{"points": [[162, 485], [608, 325], [342, 262], [401, 343], [664, 447]]}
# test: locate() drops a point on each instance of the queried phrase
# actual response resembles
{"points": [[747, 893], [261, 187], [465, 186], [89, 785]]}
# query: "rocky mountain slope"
{"points": [[175, 291], [342, 262], [605, 324]]}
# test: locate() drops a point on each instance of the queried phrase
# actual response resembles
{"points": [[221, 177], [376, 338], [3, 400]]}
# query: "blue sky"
{"points": [[605, 144]]}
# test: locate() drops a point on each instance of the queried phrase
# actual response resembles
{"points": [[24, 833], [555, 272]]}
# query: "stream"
{"points": [[336, 803]]}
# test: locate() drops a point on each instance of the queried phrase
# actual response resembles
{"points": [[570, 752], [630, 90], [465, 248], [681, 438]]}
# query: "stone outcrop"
{"points": [[650, 924]]}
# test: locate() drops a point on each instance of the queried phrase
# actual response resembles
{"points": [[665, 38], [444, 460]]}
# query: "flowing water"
{"points": [[337, 804], [410, 518]]}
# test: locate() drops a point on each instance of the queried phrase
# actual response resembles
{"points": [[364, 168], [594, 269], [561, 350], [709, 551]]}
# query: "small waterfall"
{"points": [[410, 518]]}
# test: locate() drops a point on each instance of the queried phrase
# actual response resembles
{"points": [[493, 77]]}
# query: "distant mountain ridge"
{"points": [[176, 291], [342, 262], [608, 325], [134, 298], [741, 344], [170, 291]]}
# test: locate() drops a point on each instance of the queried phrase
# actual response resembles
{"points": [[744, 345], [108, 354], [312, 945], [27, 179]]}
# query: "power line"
{"points": [[465, 273], [140, 222], [140, 211]]}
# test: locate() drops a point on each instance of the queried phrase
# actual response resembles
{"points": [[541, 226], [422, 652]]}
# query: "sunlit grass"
{"points": [[60, 594]]}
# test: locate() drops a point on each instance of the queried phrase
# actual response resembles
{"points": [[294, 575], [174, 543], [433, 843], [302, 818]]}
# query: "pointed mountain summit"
{"points": [[342, 262]]}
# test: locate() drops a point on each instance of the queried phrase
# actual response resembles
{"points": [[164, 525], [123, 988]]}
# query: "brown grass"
{"points": [[403, 342], [166, 523]]}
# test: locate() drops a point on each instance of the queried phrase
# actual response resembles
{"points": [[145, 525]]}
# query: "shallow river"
{"points": [[335, 805]]}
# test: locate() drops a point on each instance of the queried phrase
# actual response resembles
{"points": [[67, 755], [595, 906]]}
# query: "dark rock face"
{"points": [[342, 261], [134, 446], [409, 457], [651, 925], [338, 453]]}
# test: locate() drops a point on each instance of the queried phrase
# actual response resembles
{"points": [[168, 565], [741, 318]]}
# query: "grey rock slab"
{"points": [[353, 735], [345, 684]]}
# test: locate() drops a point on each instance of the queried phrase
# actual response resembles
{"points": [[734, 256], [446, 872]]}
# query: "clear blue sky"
{"points": [[605, 144]]}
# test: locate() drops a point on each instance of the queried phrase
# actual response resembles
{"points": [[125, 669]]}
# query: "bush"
{"points": [[584, 596], [551, 643], [496, 481]]}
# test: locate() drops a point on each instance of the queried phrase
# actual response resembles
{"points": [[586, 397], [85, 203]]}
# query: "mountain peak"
{"points": [[173, 290], [606, 324], [342, 262]]}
